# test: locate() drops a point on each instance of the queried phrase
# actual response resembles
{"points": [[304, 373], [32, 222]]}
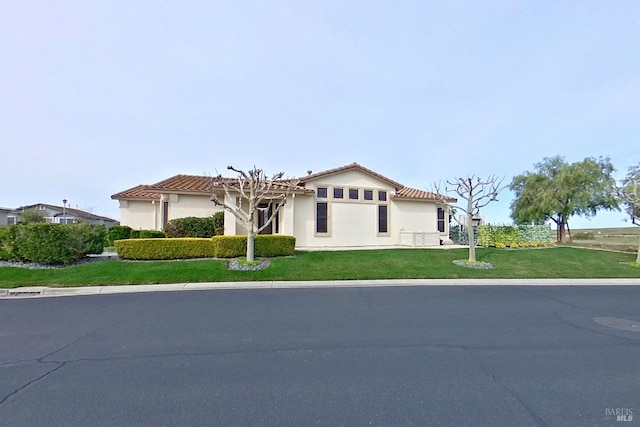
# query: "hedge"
{"points": [[51, 243], [181, 248], [509, 235], [215, 247], [193, 226]]}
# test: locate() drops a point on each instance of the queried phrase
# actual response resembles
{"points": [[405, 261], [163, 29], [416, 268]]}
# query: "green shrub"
{"points": [[8, 249], [265, 246], [196, 247], [54, 243], [274, 245], [177, 248], [489, 235], [119, 232], [230, 246], [151, 234], [196, 227]]}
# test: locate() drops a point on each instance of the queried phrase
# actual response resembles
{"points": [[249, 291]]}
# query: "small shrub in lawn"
{"points": [[514, 246], [500, 245]]}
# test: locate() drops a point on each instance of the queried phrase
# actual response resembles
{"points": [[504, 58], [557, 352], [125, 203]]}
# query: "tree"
{"points": [[478, 193], [629, 193], [557, 190], [252, 188], [32, 215]]}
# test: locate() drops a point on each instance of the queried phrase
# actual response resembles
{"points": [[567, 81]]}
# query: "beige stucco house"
{"points": [[349, 206]]}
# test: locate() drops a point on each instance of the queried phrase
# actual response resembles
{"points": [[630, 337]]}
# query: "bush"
{"points": [[231, 246], [273, 245], [459, 236], [177, 248], [265, 246], [196, 227], [195, 247], [523, 235], [151, 234], [8, 249], [52, 243], [119, 232]]}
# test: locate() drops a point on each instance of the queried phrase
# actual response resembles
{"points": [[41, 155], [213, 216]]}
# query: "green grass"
{"points": [[561, 262]]}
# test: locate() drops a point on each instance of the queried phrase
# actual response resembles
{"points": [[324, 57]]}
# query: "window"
{"points": [[382, 196], [322, 192], [165, 213], [353, 193], [322, 217], [382, 219], [441, 220], [338, 193], [368, 194]]}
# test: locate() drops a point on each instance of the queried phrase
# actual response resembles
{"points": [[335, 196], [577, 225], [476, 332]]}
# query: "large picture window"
{"points": [[322, 217], [383, 220]]}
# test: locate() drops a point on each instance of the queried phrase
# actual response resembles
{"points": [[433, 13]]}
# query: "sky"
{"points": [[97, 97]]}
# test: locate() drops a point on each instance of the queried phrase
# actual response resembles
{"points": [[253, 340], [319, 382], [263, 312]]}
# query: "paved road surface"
{"points": [[493, 356]]}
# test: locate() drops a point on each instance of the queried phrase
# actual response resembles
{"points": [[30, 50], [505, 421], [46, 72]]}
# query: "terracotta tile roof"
{"points": [[189, 183], [206, 184], [353, 165], [139, 192], [402, 192], [408, 193]]}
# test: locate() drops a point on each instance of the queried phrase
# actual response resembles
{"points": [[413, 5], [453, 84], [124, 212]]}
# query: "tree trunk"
{"points": [[250, 244], [472, 242]]}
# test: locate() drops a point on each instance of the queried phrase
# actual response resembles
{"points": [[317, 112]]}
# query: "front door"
{"points": [[264, 213]]}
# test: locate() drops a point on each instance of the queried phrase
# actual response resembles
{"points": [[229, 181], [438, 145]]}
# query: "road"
{"points": [[460, 355]]}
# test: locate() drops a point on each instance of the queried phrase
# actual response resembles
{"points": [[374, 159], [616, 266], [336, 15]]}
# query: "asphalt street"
{"points": [[450, 355]]}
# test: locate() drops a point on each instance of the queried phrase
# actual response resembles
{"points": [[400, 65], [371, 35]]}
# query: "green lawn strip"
{"points": [[562, 262]]}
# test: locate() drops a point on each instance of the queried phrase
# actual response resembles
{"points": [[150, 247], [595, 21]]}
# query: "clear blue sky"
{"points": [[96, 97]]}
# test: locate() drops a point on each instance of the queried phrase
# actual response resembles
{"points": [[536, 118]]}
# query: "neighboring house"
{"points": [[349, 206], [62, 215], [4, 216]]}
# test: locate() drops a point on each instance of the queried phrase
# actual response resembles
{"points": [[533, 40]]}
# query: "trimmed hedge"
{"points": [[51, 243], [193, 226], [509, 235], [193, 247], [119, 232], [180, 248]]}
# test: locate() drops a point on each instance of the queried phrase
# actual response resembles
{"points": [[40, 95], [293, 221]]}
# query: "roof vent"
{"points": [[309, 172]]}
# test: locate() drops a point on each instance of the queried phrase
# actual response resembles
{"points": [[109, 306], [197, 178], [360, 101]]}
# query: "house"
{"points": [[61, 215], [349, 206], [4, 216]]}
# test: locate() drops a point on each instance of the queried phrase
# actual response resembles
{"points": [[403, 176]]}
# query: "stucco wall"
{"points": [[181, 206], [415, 215], [140, 214]]}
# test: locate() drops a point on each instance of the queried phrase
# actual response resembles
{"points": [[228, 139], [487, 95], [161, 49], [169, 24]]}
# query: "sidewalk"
{"points": [[41, 291]]}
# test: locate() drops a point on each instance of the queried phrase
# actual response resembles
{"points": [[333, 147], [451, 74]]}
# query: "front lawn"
{"points": [[561, 262]]}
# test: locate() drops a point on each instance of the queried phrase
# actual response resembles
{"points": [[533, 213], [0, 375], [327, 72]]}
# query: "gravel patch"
{"points": [[235, 265], [477, 265]]}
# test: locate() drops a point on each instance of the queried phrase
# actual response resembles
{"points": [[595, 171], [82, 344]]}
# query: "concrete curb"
{"points": [[43, 291]]}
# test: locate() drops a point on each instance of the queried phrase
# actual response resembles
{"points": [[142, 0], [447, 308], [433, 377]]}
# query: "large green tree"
{"points": [[558, 190], [629, 193]]}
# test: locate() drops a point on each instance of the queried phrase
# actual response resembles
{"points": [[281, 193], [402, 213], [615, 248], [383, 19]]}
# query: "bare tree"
{"points": [[478, 193], [629, 193], [252, 188]]}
